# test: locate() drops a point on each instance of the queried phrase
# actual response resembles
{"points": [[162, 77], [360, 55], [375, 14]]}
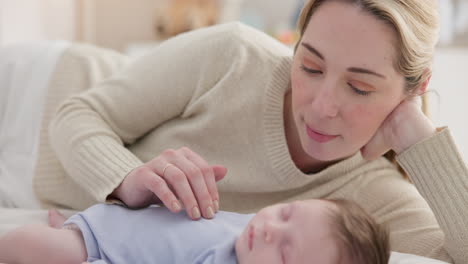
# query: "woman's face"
{"points": [[343, 79]]}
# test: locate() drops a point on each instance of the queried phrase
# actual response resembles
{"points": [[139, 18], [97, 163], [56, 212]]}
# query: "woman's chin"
{"points": [[329, 154]]}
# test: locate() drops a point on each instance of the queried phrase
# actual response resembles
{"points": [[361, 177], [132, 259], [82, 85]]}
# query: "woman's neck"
{"points": [[301, 159]]}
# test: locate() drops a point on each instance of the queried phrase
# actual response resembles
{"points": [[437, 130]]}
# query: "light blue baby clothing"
{"points": [[114, 234]]}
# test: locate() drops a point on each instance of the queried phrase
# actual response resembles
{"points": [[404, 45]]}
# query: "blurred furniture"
{"points": [[118, 24]]}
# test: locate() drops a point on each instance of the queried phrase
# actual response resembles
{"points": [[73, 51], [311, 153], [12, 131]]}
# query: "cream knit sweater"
{"points": [[220, 92]]}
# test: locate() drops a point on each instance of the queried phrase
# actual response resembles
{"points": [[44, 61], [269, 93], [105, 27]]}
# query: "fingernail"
{"points": [[196, 212], [209, 212], [216, 205], [176, 206]]}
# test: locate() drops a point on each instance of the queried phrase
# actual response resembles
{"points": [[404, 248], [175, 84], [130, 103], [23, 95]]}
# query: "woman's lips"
{"points": [[251, 235], [321, 138]]}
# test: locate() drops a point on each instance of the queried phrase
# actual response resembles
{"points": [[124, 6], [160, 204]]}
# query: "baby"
{"points": [[311, 231]]}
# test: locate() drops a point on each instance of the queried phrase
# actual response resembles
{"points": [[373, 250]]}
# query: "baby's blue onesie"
{"points": [[114, 234]]}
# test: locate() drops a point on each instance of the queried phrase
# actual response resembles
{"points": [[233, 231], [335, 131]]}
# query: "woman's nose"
{"points": [[325, 102]]}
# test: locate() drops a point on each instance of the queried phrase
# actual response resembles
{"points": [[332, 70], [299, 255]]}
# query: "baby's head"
{"points": [[313, 231]]}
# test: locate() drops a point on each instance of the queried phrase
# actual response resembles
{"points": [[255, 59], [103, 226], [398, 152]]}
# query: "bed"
{"points": [[24, 74]]}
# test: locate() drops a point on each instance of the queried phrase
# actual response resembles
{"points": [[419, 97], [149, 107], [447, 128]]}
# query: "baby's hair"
{"points": [[362, 239]]}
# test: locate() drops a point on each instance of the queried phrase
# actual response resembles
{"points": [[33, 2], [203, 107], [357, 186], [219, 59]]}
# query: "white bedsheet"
{"points": [[400, 258], [24, 74]]}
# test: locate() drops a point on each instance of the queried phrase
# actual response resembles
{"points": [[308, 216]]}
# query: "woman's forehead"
{"points": [[345, 32]]}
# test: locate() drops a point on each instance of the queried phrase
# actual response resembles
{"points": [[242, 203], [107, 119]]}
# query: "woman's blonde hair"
{"points": [[416, 24]]}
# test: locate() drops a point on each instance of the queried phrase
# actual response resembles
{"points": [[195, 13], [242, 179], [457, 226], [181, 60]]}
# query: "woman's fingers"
{"points": [[193, 180], [219, 172], [208, 180], [187, 187], [159, 187], [376, 147], [177, 178], [194, 193]]}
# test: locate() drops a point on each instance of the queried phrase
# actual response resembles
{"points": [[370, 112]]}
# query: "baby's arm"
{"points": [[42, 244]]}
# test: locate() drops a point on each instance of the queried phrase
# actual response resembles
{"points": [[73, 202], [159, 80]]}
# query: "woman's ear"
{"points": [[423, 88]]}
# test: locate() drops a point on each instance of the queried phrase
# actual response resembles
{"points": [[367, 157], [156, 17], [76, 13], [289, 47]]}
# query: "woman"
{"points": [[286, 127]]}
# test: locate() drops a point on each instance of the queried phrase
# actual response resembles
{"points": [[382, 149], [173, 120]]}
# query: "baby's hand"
{"points": [[56, 219]]}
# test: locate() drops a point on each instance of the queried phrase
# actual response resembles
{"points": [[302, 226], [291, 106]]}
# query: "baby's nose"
{"points": [[272, 231]]}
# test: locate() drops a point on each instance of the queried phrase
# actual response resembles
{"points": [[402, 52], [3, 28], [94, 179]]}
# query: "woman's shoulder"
{"points": [[236, 35], [255, 38]]}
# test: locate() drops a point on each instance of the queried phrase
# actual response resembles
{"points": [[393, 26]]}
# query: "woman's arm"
{"points": [[90, 131], [397, 204], [427, 218], [438, 171], [441, 176]]}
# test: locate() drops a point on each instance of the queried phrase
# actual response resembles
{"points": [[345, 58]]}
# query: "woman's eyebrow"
{"points": [[366, 71], [313, 50]]}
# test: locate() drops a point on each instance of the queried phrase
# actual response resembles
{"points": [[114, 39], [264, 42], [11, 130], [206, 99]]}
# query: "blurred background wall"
{"points": [[32, 20], [130, 26], [118, 23]]}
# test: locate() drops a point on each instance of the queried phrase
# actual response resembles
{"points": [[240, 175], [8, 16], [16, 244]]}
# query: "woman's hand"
{"points": [[404, 127], [172, 176]]}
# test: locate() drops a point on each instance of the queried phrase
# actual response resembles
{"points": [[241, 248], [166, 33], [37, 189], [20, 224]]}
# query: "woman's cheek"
{"points": [[296, 81], [364, 121], [299, 90]]}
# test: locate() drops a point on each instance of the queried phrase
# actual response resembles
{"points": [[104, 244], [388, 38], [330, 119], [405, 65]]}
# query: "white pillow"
{"points": [[401, 258], [24, 74]]}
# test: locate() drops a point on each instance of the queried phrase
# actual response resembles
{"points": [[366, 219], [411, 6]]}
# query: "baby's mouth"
{"points": [[251, 235]]}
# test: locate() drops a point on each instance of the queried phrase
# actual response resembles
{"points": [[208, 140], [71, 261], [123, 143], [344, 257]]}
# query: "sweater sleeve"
{"points": [[441, 176], [91, 130], [396, 203]]}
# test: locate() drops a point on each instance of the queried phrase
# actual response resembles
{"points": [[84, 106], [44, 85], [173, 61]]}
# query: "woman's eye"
{"points": [[309, 70], [360, 92]]}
